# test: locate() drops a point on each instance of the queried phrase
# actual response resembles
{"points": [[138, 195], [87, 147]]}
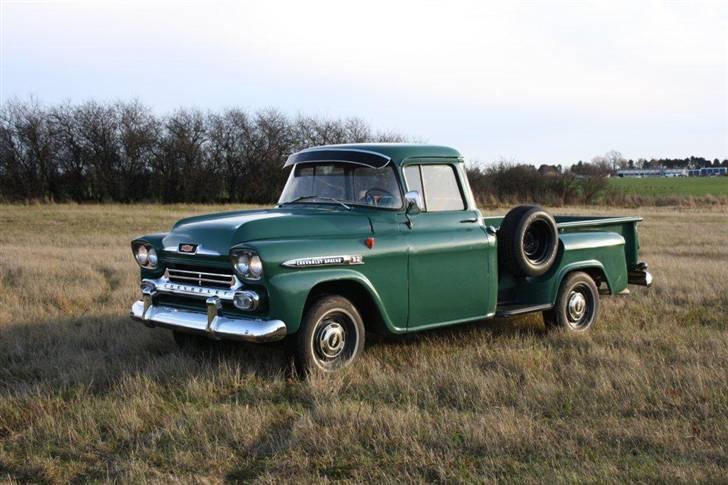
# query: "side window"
{"points": [[414, 182], [441, 188]]}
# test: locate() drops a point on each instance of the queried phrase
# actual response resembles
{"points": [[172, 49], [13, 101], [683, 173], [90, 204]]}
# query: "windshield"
{"points": [[344, 183]]}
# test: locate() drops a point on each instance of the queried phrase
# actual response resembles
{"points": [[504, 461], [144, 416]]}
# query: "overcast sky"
{"points": [[529, 81]]}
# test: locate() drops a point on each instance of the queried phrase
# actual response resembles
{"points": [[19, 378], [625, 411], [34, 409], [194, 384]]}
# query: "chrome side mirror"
{"points": [[413, 201]]}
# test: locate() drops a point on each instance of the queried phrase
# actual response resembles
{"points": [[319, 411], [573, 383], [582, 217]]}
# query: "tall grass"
{"points": [[88, 395]]}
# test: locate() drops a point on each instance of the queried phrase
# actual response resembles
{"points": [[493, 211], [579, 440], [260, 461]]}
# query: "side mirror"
{"points": [[413, 201]]}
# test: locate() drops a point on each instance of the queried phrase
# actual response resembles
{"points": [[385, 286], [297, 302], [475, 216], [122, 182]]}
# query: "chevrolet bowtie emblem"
{"points": [[188, 248]]}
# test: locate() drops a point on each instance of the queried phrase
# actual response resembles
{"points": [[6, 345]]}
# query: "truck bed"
{"points": [[567, 222], [624, 226], [513, 291]]}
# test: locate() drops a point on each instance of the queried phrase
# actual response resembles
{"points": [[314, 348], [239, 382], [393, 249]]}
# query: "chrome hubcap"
{"points": [[576, 306], [331, 339]]}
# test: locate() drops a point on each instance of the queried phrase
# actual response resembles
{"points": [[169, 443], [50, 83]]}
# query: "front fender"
{"points": [[156, 241], [289, 291]]}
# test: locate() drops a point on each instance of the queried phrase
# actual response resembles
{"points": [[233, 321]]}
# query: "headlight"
{"points": [[142, 255], [145, 255], [247, 264], [256, 266], [243, 264], [152, 258]]}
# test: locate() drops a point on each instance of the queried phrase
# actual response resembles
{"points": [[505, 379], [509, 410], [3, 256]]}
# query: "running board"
{"points": [[513, 310]]}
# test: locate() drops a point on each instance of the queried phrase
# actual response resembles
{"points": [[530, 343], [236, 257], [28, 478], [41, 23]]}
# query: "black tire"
{"points": [[528, 241], [577, 304], [331, 335], [190, 342]]}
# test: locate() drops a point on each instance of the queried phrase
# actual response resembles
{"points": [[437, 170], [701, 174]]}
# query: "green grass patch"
{"points": [[674, 186]]}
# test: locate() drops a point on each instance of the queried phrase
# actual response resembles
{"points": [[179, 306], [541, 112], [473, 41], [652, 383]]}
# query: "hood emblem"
{"points": [[187, 248], [344, 260]]}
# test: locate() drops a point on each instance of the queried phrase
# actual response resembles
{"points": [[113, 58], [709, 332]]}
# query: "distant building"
{"points": [[653, 172], [708, 171]]}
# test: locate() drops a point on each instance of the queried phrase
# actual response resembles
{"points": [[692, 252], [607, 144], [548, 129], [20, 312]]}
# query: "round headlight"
{"points": [[243, 264], [247, 264], [255, 266], [142, 255], [152, 258]]}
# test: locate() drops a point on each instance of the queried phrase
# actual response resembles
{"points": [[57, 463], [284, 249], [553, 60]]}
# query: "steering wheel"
{"points": [[375, 195]]}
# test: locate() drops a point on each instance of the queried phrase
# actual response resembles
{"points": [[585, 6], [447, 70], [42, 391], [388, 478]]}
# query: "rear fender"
{"points": [[606, 259], [592, 267], [597, 253]]}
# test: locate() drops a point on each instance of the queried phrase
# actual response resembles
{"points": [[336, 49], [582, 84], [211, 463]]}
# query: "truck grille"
{"points": [[200, 277]]}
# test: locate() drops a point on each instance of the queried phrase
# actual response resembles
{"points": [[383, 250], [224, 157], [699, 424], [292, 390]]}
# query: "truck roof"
{"points": [[372, 154]]}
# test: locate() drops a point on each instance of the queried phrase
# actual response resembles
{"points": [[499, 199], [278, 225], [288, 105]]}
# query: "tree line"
{"points": [[123, 152], [508, 183]]}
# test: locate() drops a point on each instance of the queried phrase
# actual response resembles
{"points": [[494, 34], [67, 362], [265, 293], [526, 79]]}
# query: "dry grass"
{"points": [[88, 395]]}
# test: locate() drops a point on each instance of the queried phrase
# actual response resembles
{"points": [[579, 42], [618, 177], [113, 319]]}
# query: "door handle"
{"points": [[471, 220]]}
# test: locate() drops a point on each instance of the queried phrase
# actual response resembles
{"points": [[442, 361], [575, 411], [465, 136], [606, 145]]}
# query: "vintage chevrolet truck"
{"points": [[376, 238]]}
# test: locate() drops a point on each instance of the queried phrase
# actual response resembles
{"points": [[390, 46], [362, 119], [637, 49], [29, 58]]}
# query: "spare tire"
{"points": [[528, 241]]}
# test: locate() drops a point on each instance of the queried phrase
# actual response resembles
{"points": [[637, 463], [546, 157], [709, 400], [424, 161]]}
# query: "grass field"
{"points": [[672, 187], [88, 395]]}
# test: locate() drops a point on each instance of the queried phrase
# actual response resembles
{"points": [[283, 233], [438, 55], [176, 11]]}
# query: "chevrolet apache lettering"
{"points": [[382, 238]]}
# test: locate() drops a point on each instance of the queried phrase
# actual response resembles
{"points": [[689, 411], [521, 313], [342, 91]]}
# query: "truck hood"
{"points": [[217, 233]]}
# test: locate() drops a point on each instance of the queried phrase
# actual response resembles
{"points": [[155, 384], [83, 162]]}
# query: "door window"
{"points": [[438, 185]]}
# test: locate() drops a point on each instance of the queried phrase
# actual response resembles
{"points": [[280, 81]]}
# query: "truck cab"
{"points": [[376, 238]]}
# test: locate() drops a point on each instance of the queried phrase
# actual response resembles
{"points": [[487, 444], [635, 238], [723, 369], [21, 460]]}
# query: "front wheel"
{"points": [[331, 335], [577, 304]]}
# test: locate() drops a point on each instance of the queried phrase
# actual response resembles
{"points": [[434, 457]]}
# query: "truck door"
{"points": [[452, 270]]}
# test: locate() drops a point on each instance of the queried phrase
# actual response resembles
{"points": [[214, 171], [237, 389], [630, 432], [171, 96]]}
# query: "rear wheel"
{"points": [[577, 304], [331, 335]]}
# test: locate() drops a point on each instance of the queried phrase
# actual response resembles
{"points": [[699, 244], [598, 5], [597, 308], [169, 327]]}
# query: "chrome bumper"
{"points": [[639, 275], [213, 323]]}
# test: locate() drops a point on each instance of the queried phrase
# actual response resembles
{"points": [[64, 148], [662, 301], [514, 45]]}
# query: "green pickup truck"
{"points": [[382, 238]]}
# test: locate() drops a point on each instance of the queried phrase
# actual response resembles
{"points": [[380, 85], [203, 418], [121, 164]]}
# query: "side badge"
{"points": [[344, 260]]}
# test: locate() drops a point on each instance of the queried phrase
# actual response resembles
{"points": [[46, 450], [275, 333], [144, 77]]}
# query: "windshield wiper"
{"points": [[305, 197]]}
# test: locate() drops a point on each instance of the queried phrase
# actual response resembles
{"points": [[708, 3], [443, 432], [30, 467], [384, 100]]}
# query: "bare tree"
{"points": [[28, 151], [124, 152], [183, 164], [609, 162], [139, 134]]}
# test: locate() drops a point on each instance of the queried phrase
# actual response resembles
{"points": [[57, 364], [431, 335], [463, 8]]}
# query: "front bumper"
{"points": [[639, 275], [213, 323]]}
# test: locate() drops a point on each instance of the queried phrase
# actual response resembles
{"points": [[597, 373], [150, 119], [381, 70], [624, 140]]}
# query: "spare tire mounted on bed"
{"points": [[528, 241]]}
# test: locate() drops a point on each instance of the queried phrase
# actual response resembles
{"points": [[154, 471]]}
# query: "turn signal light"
{"points": [[246, 300]]}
